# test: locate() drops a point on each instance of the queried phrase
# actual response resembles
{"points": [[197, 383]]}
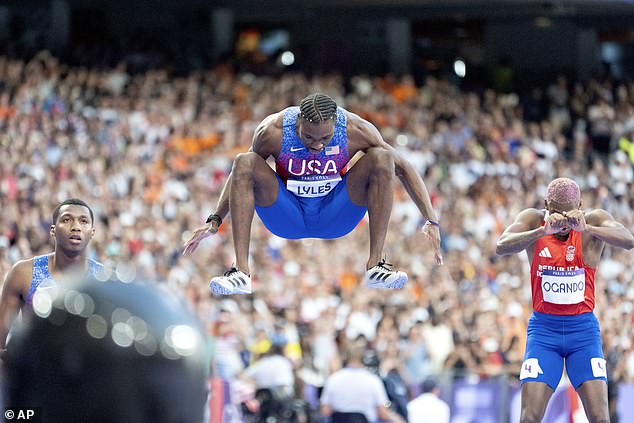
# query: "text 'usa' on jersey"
{"points": [[307, 174], [561, 282]]}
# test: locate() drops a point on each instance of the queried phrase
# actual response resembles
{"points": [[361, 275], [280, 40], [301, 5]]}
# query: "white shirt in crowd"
{"points": [[354, 390], [427, 408], [271, 372]]}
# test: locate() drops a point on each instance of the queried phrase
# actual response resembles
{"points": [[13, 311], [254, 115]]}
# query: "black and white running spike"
{"points": [[384, 276], [233, 281]]}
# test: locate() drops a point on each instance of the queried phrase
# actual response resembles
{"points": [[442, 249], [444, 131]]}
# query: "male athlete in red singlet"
{"points": [[564, 245]]}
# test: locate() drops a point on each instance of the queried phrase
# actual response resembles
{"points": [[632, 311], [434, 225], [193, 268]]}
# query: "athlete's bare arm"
{"points": [[14, 291], [267, 141], [267, 138], [362, 136], [599, 228], [601, 225], [526, 229]]}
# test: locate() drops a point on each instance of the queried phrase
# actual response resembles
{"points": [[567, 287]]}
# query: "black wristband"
{"points": [[213, 216]]}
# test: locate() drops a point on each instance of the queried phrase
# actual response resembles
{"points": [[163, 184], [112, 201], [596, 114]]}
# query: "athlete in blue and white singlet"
{"points": [[72, 230], [564, 246], [42, 278], [314, 192]]}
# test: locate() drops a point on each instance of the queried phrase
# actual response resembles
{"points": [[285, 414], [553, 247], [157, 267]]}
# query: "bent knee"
{"points": [[247, 159], [245, 163]]}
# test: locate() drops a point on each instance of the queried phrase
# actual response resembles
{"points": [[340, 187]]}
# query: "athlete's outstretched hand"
{"points": [[198, 235], [432, 232], [555, 223]]}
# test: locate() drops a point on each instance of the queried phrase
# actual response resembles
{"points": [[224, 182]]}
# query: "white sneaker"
{"points": [[234, 281], [384, 276]]}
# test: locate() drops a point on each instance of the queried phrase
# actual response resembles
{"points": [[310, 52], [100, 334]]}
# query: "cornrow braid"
{"points": [[317, 108]]}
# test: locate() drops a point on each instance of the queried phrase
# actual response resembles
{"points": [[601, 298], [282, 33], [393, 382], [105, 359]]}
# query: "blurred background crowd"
{"points": [[149, 152]]}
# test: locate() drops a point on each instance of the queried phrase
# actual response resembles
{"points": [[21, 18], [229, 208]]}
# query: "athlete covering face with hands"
{"points": [[564, 245], [314, 191]]}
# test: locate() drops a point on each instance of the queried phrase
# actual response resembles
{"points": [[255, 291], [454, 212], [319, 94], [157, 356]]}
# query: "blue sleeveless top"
{"points": [[306, 173], [42, 275]]}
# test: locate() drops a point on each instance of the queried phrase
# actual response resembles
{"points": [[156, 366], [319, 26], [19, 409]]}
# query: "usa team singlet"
{"points": [[312, 198]]}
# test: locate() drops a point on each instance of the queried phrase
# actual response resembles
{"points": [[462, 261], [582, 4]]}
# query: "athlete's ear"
{"points": [[92, 232], [52, 231]]}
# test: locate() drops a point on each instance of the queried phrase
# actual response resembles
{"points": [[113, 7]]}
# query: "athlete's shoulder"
{"points": [[354, 119], [362, 131], [531, 216], [272, 121], [268, 135], [20, 276], [533, 212], [25, 265], [597, 216]]}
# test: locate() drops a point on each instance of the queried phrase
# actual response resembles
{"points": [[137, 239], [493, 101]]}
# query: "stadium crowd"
{"points": [[150, 153]]}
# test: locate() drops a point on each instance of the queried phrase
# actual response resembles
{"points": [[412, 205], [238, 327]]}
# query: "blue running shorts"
{"points": [[553, 340], [331, 216]]}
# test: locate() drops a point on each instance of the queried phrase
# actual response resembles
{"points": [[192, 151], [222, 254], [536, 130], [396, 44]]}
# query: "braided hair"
{"points": [[317, 108]]}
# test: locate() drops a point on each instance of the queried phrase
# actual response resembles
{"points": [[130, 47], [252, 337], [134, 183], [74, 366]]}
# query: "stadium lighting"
{"points": [[460, 68], [287, 58]]}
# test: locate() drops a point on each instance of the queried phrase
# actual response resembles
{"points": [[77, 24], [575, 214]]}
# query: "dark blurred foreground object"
{"points": [[110, 352]]}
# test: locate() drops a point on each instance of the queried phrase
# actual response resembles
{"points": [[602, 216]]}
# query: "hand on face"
{"points": [[555, 223], [563, 221], [576, 220]]}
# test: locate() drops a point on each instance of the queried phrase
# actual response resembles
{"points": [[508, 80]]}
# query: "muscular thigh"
{"points": [[535, 397], [584, 359], [594, 396], [543, 359], [265, 184], [357, 179], [375, 162]]}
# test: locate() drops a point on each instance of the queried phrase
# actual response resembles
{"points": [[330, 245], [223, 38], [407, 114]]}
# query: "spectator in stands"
{"points": [[354, 389], [428, 407]]}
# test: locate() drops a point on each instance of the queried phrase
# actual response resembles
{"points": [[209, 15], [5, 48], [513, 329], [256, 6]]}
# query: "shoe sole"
{"points": [[218, 289], [397, 284]]}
